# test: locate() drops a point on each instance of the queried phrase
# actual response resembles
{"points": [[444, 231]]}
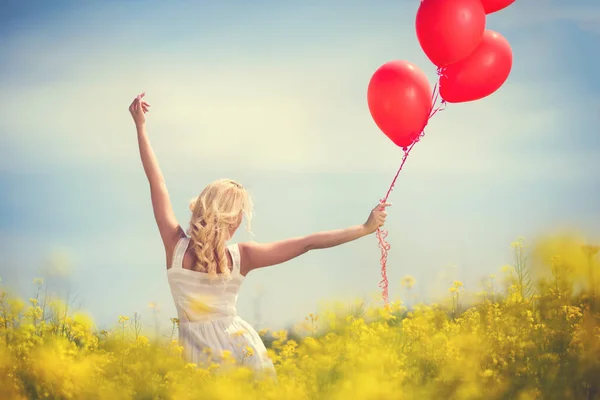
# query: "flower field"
{"points": [[530, 332]]}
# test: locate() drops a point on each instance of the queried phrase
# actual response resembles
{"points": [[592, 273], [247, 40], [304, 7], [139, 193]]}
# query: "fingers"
{"points": [[138, 100], [380, 214], [139, 105], [142, 105], [382, 206]]}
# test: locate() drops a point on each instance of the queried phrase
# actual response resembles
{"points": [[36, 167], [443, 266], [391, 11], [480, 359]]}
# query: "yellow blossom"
{"points": [[463, 347], [408, 282]]}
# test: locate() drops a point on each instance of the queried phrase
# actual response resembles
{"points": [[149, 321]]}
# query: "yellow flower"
{"points": [[518, 244], [280, 335], [488, 373], [263, 332], [490, 345], [508, 269], [191, 366], [238, 333], [226, 356], [142, 341], [408, 282], [312, 317]]}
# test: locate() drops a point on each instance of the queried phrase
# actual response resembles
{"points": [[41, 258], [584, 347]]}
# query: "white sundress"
{"points": [[208, 320]]}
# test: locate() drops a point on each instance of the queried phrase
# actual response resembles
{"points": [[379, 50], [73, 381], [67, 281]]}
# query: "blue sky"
{"points": [[274, 94]]}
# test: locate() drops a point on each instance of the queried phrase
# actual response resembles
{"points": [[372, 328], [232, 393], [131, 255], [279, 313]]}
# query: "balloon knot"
{"points": [[441, 72]]}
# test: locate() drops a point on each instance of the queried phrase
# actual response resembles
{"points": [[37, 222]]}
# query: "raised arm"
{"points": [[258, 255], [169, 228]]}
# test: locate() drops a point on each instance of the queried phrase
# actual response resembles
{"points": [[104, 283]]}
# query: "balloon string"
{"points": [[382, 234], [384, 246]]}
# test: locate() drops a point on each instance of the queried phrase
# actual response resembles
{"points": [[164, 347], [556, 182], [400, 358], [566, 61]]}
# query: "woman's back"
{"points": [[208, 322], [199, 297]]}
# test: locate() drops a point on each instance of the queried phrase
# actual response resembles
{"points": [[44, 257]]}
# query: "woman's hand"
{"points": [[138, 108], [376, 218]]}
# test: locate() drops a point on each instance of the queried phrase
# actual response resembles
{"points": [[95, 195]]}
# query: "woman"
{"points": [[205, 273]]}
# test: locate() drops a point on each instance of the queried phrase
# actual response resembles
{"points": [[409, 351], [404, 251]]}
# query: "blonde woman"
{"points": [[205, 272]]}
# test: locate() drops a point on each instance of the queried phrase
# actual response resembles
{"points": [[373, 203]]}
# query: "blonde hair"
{"points": [[215, 213]]}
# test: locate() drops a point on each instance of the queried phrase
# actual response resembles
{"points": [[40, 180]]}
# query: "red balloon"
{"points": [[399, 98], [480, 74], [449, 30], [491, 6]]}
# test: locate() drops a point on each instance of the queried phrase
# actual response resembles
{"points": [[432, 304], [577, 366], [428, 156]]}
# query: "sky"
{"points": [[273, 94]]}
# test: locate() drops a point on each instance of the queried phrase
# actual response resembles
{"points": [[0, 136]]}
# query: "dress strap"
{"points": [[234, 250], [179, 253]]}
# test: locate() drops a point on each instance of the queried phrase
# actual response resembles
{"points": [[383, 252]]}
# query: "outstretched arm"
{"points": [[169, 228], [259, 255]]}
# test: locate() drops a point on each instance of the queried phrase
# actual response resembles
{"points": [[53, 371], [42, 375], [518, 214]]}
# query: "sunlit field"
{"points": [[529, 332]]}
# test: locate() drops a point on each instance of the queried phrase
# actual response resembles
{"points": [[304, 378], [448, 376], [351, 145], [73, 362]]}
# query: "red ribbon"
{"points": [[382, 233]]}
